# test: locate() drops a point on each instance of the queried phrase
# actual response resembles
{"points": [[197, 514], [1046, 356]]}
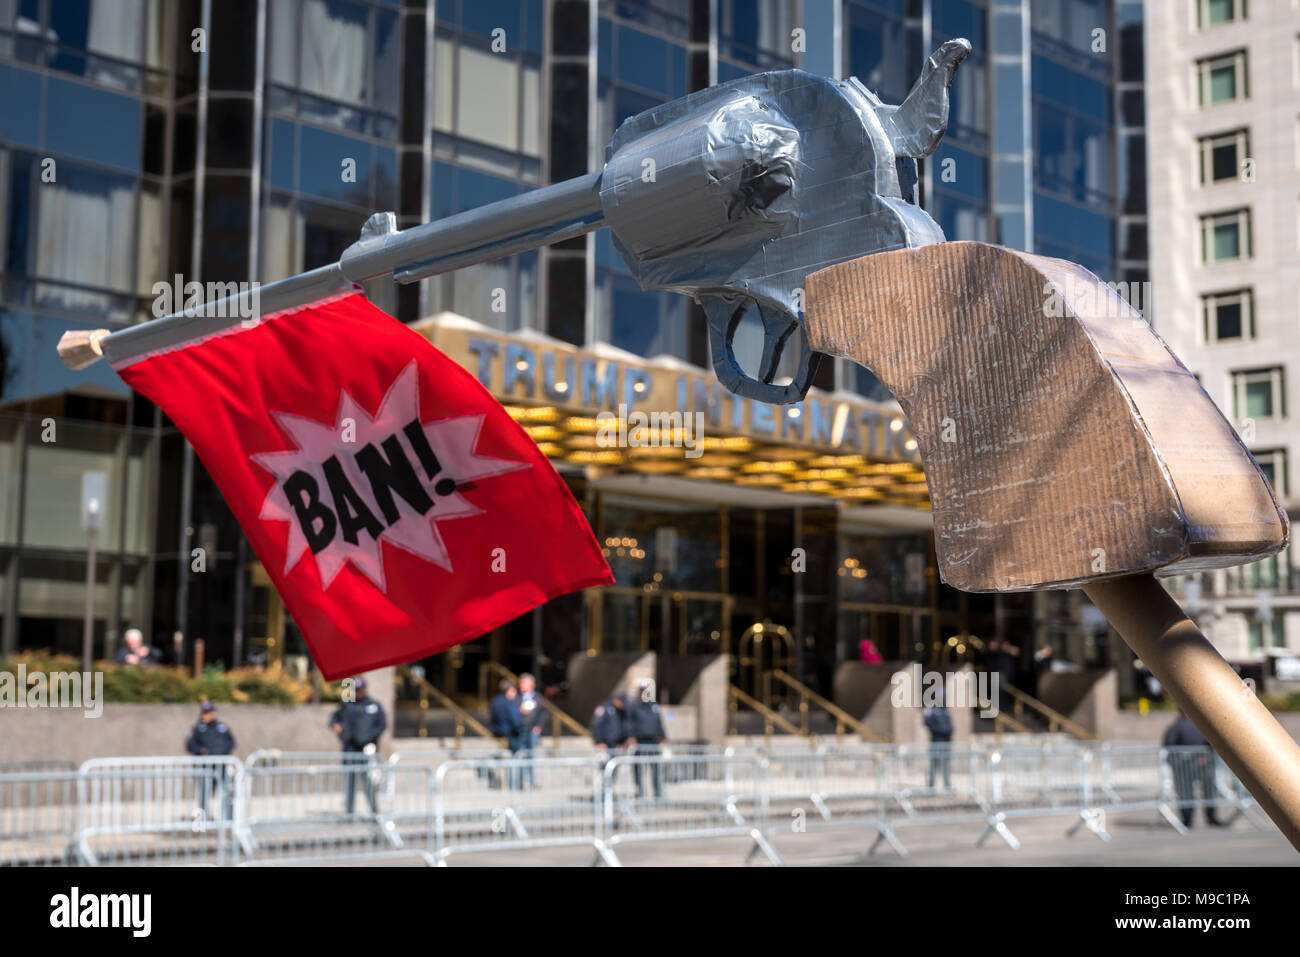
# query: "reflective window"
{"points": [[328, 165], [20, 105], [501, 294], [883, 568], [960, 171], [1071, 88], [961, 219], [117, 43], [959, 196], [1222, 156], [1221, 79], [1272, 463], [662, 543], [486, 97], [86, 447], [29, 360], [1212, 13], [1074, 232], [65, 238], [883, 51], [1257, 394], [92, 124], [641, 63], [1073, 153], [1070, 23], [1225, 237], [756, 33], [1228, 316], [670, 17], [523, 21], [961, 18], [337, 62]]}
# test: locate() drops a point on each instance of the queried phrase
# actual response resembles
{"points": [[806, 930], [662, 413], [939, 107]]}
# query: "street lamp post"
{"points": [[94, 492]]}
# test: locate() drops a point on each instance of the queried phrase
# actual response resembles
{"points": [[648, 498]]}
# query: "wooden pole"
{"points": [[1241, 730]]}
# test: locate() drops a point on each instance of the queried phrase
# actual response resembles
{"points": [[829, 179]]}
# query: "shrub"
{"points": [[133, 684]]}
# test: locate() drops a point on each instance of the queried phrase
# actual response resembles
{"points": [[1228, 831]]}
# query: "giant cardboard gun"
{"points": [[1063, 443]]}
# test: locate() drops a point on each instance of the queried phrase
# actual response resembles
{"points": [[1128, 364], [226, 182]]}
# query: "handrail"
{"points": [[807, 695], [1055, 720], [1002, 718], [558, 715], [463, 717], [770, 717]]}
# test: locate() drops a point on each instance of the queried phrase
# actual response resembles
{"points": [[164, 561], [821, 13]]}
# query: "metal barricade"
{"points": [[652, 797], [1173, 782], [1195, 778], [157, 810], [275, 758], [518, 804], [38, 818], [836, 786], [835, 779], [933, 785], [1041, 782], [354, 808], [1134, 777]]}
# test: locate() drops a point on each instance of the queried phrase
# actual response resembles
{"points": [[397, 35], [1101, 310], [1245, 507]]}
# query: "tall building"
{"points": [[250, 139], [1223, 83]]}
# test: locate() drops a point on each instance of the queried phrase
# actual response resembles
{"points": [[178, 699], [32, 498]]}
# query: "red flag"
{"points": [[397, 507]]}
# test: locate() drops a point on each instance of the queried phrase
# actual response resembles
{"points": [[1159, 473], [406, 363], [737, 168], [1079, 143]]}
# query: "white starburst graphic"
{"points": [[452, 441]]}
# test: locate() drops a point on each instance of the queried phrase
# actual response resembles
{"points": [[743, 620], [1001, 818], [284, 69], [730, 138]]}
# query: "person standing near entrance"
{"points": [[358, 724], [1193, 764], [533, 717], [645, 737], [938, 721], [135, 651], [609, 725], [507, 723], [212, 737]]}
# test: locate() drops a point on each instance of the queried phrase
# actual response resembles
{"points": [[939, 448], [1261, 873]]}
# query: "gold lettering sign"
{"points": [[606, 407]]}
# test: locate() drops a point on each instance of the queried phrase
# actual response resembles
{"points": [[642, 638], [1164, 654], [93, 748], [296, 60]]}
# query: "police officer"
{"points": [[608, 724], [1192, 762], [645, 736], [509, 724], [358, 724], [212, 736]]}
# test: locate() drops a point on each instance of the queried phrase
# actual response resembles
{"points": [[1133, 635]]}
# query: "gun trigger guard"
{"points": [[724, 314]]}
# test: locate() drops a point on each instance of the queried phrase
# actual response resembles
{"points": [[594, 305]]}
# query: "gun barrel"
{"points": [[508, 226], [536, 218]]}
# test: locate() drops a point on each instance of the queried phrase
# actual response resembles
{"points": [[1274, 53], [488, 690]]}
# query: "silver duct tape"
{"points": [[735, 194]]}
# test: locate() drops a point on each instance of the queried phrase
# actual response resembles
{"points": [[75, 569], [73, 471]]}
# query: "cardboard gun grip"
{"points": [[1062, 440]]}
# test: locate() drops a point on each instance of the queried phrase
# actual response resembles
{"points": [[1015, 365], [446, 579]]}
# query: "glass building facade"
{"points": [[250, 139]]}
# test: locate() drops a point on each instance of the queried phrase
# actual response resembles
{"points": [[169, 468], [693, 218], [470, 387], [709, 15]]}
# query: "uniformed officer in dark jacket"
{"points": [[645, 737], [608, 724], [507, 722], [359, 723], [1192, 764], [212, 736]]}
